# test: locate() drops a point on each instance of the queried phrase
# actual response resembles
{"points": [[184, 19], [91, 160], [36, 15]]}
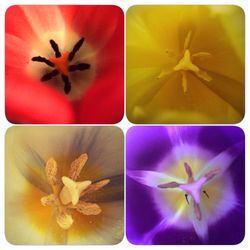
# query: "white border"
{"points": [[124, 124]]}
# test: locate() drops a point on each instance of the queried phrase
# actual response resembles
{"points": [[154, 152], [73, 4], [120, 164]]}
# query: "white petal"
{"points": [[44, 19], [223, 160], [149, 178]]}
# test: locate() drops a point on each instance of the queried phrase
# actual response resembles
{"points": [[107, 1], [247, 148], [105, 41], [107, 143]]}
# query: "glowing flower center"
{"points": [[61, 64], [68, 194], [192, 187]]}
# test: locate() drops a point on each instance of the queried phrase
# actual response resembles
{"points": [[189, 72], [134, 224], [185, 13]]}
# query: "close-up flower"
{"points": [[64, 185], [185, 185], [64, 64], [185, 64]]}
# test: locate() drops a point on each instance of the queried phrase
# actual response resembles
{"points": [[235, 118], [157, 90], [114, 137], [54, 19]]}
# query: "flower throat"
{"points": [[61, 64]]}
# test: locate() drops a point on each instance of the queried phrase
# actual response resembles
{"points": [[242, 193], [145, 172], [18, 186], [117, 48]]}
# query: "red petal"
{"points": [[29, 101], [96, 23], [112, 55], [103, 103], [17, 24], [17, 52]]}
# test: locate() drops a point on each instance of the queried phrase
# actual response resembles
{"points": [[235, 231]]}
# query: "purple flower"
{"points": [[185, 185]]}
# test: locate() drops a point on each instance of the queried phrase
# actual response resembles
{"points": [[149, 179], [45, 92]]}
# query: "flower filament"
{"points": [[61, 64], [68, 194]]}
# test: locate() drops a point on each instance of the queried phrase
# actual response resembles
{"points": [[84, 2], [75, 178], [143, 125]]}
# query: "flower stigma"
{"points": [[68, 194], [192, 188], [61, 64], [185, 64]]}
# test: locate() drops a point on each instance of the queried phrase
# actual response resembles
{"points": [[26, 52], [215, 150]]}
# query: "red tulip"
{"points": [[64, 64]]}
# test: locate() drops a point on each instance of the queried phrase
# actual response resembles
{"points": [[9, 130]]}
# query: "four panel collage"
{"points": [[175, 74]]}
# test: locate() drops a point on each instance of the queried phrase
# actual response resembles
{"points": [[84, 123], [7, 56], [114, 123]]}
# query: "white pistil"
{"points": [[192, 187], [72, 190]]}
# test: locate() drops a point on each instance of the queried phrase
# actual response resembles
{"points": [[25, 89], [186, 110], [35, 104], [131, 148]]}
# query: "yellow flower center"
{"points": [[68, 194], [186, 64]]}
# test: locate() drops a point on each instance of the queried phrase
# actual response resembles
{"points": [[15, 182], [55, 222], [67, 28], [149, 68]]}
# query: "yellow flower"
{"points": [[185, 64], [64, 185]]}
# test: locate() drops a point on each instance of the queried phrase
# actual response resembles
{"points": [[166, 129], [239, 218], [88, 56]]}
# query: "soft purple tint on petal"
{"points": [[180, 135], [149, 217], [222, 161]]}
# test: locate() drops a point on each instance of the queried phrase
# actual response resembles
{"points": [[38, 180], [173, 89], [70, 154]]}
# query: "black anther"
{"points": [[205, 192], [186, 196], [42, 59], [67, 84], [50, 75], [75, 49], [55, 48], [80, 66]]}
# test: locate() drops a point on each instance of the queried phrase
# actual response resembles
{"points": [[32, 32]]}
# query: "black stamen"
{"points": [[75, 49], [81, 66], [205, 192], [55, 48], [186, 196], [42, 59], [50, 75], [67, 84]]}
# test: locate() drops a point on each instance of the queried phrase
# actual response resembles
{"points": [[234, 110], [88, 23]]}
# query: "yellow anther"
{"points": [[184, 81], [88, 208], [48, 200], [204, 75], [72, 190], [95, 186], [187, 40], [76, 166], [202, 55], [64, 220], [51, 171], [163, 73]]}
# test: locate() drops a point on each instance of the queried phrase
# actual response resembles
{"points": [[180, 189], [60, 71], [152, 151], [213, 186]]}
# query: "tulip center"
{"points": [[68, 194], [193, 187], [61, 64], [185, 64]]}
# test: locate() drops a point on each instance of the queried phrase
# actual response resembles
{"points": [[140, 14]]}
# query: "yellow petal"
{"points": [[209, 34]]}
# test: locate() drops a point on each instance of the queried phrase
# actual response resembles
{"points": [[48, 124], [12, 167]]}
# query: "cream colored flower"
{"points": [[64, 185]]}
